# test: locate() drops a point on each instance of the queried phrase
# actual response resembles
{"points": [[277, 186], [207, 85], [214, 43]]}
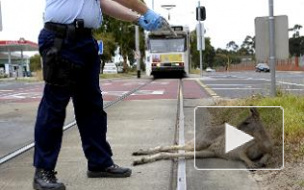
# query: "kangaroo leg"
{"points": [[189, 146], [166, 156], [162, 156], [160, 149], [205, 154]]}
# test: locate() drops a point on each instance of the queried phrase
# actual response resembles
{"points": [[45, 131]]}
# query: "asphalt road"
{"points": [[18, 108], [244, 84]]}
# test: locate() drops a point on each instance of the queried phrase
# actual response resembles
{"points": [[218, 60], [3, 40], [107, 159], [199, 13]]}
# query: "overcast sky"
{"points": [[226, 20]]}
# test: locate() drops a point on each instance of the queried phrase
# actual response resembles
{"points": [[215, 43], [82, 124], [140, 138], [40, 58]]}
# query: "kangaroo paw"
{"points": [[261, 165], [140, 152], [139, 162], [253, 165]]}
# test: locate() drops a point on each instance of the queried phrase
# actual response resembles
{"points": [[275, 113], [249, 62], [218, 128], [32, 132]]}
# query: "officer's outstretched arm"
{"points": [[149, 19], [135, 5], [116, 10]]}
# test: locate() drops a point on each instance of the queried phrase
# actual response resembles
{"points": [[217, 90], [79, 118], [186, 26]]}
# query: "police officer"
{"points": [[71, 71]]}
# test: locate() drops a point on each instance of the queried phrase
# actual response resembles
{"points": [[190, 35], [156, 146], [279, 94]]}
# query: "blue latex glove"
{"points": [[150, 21]]}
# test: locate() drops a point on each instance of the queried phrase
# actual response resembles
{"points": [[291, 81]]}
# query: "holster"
{"points": [[58, 71]]}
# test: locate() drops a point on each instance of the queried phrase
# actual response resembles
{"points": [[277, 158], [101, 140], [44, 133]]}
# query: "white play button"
{"points": [[235, 138]]}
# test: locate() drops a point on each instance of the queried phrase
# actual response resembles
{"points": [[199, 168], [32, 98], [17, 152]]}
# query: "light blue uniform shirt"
{"points": [[66, 11]]}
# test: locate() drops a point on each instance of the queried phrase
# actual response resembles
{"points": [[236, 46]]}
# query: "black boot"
{"points": [[46, 180], [114, 171]]}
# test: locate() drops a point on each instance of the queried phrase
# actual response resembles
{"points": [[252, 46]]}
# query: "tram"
{"points": [[167, 53]]}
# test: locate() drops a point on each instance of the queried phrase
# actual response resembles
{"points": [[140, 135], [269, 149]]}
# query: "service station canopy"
{"points": [[20, 45]]}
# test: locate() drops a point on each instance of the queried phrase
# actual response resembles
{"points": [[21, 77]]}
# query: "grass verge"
{"points": [[119, 75], [293, 106]]}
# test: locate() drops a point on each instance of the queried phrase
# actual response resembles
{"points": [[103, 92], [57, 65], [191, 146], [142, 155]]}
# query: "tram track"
{"points": [[178, 174], [6, 158]]}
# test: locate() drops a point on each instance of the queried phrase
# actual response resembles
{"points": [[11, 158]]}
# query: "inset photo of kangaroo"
{"points": [[251, 135], [229, 138]]}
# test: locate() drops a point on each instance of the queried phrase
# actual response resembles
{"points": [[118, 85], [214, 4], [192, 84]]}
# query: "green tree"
{"points": [[296, 43], [248, 46], [121, 34], [220, 58], [109, 47], [225, 58], [232, 46], [35, 62], [296, 46], [296, 30]]}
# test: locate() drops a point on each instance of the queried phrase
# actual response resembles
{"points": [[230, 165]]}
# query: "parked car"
{"points": [[110, 68], [208, 69], [262, 67]]}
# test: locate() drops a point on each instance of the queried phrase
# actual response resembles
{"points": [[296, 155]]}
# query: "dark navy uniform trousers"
{"points": [[88, 106]]}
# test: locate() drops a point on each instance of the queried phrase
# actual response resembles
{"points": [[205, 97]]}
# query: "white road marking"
{"points": [[22, 95], [228, 85], [140, 92], [237, 88], [132, 83], [161, 83], [114, 93], [149, 92]]}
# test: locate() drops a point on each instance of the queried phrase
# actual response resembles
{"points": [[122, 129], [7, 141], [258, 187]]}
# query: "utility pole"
{"points": [[137, 53], [168, 8], [272, 56], [0, 18], [200, 39]]}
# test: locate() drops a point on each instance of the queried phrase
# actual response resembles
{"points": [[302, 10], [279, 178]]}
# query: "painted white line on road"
{"points": [[160, 83], [23, 95], [149, 92], [292, 89], [228, 85], [139, 92], [13, 92], [278, 81], [291, 83], [237, 88], [132, 83], [114, 93]]}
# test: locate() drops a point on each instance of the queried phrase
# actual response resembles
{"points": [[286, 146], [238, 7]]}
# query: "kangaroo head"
{"points": [[253, 126], [251, 123]]}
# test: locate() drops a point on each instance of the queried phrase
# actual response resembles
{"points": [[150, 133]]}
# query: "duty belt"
{"points": [[69, 31]]}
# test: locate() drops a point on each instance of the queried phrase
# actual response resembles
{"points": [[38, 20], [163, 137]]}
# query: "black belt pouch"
{"points": [[58, 71]]}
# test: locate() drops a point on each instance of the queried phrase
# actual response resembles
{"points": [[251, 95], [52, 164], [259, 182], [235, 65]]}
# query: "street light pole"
{"points": [[0, 18], [168, 8], [200, 39], [272, 56]]}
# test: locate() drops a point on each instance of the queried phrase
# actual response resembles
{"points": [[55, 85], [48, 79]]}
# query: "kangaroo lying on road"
{"points": [[210, 143]]}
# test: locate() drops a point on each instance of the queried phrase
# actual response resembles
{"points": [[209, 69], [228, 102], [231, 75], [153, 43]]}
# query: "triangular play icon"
{"points": [[235, 138]]}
